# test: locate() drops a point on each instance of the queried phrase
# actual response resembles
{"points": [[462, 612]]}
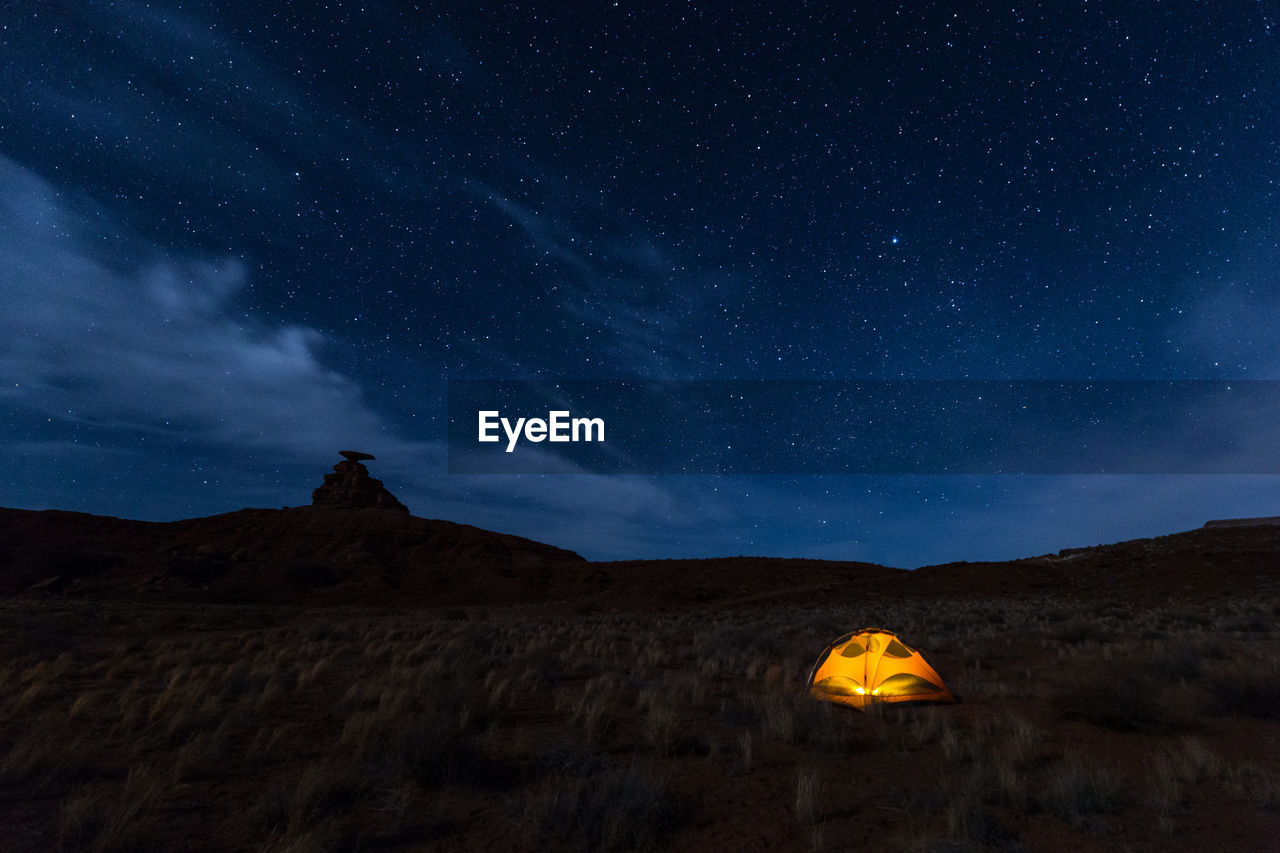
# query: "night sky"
{"points": [[236, 238]]}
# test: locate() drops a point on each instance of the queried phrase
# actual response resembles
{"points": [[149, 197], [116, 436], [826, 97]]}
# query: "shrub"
{"points": [[433, 748], [1119, 697], [928, 724], [1082, 796], [1259, 785], [613, 808], [598, 709], [1246, 688], [662, 727], [1181, 660], [970, 821], [1074, 631], [797, 719]]}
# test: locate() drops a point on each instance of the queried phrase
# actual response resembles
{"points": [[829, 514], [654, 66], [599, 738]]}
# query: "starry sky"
{"points": [[235, 238]]}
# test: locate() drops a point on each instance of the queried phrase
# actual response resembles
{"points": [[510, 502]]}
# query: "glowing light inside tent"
{"points": [[872, 666]]}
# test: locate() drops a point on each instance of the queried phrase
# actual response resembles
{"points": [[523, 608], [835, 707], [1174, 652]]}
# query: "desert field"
{"points": [[1083, 725]]}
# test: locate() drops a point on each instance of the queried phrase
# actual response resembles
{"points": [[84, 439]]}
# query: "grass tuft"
{"points": [[1082, 796], [614, 808]]}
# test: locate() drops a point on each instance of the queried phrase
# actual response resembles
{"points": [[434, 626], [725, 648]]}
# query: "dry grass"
{"points": [[619, 731], [1082, 795], [112, 820], [795, 719], [808, 794], [1246, 687], [1118, 695], [609, 808], [1259, 785]]}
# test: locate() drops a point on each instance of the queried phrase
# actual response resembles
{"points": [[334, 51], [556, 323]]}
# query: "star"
{"points": [[496, 191]]}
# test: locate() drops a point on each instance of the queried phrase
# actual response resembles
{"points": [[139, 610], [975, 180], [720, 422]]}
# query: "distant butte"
{"points": [[351, 487], [1264, 521]]}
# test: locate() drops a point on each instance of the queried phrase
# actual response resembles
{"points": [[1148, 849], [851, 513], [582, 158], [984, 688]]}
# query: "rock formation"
{"points": [[351, 487], [1267, 521]]}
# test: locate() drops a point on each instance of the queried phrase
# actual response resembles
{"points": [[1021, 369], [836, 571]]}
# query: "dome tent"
{"points": [[873, 665]]}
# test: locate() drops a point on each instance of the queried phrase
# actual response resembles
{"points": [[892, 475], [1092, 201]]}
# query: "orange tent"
{"points": [[874, 665]]}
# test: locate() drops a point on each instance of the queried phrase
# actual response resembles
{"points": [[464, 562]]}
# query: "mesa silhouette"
{"points": [[358, 544]]}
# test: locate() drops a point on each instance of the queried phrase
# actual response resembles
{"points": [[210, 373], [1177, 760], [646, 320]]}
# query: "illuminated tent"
{"points": [[873, 665]]}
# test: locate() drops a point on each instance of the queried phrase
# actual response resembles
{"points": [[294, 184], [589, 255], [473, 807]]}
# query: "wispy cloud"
{"points": [[616, 279], [160, 346]]}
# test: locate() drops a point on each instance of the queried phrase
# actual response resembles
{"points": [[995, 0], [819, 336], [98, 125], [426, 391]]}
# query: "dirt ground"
{"points": [[1083, 725]]}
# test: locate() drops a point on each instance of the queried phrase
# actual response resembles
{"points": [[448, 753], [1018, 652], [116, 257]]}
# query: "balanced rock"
{"points": [[351, 487]]}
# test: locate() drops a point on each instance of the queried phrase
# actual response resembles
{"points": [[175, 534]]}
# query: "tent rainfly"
{"points": [[873, 665]]}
